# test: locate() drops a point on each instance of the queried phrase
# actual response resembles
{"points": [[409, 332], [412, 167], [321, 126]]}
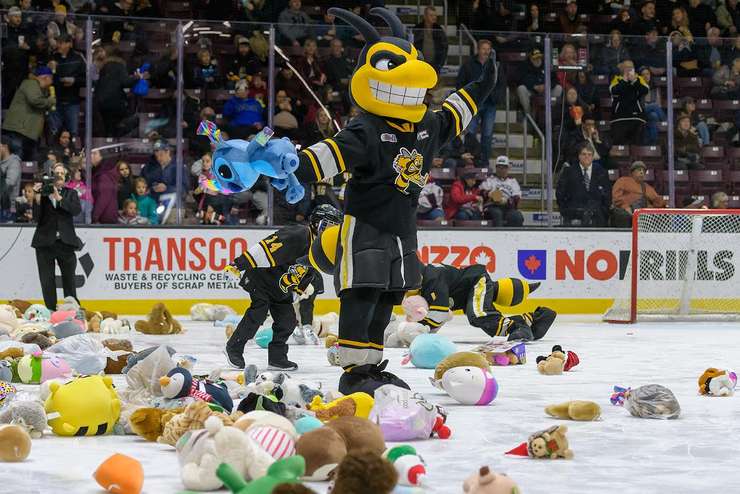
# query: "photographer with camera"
{"points": [[55, 239]]}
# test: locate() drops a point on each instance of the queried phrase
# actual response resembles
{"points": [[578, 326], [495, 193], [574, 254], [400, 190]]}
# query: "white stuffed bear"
{"points": [[8, 320], [200, 452], [326, 324], [114, 326], [401, 332], [723, 385], [210, 312]]}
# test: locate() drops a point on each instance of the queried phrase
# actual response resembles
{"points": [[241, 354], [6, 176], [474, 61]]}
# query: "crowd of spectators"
{"points": [[134, 75]]}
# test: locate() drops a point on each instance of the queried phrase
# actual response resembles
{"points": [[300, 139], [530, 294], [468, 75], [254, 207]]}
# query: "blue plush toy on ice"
{"points": [[237, 164]]}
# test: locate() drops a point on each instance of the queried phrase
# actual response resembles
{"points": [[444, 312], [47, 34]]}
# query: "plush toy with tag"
{"points": [[717, 382]]}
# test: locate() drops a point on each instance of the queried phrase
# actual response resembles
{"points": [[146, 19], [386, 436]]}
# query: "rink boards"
{"points": [[125, 269]]}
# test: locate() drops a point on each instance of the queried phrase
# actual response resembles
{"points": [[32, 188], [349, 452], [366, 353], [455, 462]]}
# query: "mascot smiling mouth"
{"points": [[391, 78]]}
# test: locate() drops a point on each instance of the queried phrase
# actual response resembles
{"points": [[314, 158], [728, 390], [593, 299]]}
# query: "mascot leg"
{"points": [[245, 330], [482, 313], [284, 322]]}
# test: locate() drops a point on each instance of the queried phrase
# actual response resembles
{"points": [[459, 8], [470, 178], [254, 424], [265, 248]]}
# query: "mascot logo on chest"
{"points": [[391, 79], [293, 277], [409, 164]]}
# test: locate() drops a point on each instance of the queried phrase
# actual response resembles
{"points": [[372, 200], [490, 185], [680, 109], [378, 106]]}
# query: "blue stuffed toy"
{"points": [[141, 88], [238, 164], [428, 350], [263, 337]]}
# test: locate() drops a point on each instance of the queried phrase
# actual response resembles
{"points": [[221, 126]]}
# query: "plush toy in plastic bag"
{"points": [[84, 353], [652, 401], [404, 416]]}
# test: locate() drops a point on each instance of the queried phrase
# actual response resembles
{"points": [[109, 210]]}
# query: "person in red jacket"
{"points": [[465, 200]]}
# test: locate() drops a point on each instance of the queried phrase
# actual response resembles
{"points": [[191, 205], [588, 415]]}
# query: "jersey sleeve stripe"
{"points": [[257, 256], [469, 100], [268, 254], [462, 107], [314, 162], [325, 159], [455, 115], [438, 308], [337, 155]]}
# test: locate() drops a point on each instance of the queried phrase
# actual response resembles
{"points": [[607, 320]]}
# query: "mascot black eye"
{"points": [[384, 64]]}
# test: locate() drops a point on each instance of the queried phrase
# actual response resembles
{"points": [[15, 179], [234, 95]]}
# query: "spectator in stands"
{"points": [[568, 58], [288, 82], [318, 130], [630, 193], [64, 147], [720, 200], [60, 25], [430, 202], [258, 88], [110, 99], [145, 205], [486, 117], [27, 205], [628, 117], [570, 20], [732, 51], [501, 196], [285, 121], [338, 67], [685, 60], [646, 21], [606, 60], [701, 17], [535, 20], [206, 74], [244, 114], [653, 110], [16, 33], [243, 64], [130, 214], [16, 48], [709, 52], [10, 180], [326, 31], [104, 189], [533, 81], [686, 145], [587, 91], [78, 184], [728, 15], [69, 76], [120, 28], [294, 24], [587, 133], [465, 200], [584, 192], [651, 53], [308, 65], [125, 182], [161, 172], [726, 81], [622, 23], [431, 39], [572, 110], [24, 121], [697, 120], [204, 196]]}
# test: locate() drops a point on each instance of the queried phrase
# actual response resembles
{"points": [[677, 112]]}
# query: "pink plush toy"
{"points": [[486, 482], [415, 308], [69, 315]]}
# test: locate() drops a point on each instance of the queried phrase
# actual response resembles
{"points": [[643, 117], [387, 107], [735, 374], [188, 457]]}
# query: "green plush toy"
{"points": [[285, 471]]}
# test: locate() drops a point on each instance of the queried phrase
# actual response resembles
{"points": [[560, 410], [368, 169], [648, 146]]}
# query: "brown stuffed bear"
{"points": [[115, 344], [12, 352], [364, 472], [116, 365], [149, 422], [93, 323], [159, 321], [21, 306], [550, 443], [43, 339], [557, 362], [193, 417]]}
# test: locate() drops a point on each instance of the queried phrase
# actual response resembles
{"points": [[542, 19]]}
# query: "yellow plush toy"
{"points": [[354, 405], [85, 406], [575, 410]]}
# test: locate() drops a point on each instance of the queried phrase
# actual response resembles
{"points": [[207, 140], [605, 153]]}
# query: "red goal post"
{"points": [[683, 266]]}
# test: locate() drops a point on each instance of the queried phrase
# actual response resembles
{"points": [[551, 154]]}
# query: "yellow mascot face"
{"points": [[391, 79]]}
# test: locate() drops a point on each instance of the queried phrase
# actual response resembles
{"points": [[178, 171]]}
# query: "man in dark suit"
{"points": [[584, 192], [55, 239]]}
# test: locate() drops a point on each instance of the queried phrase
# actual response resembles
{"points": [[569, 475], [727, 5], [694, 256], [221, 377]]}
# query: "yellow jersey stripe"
{"points": [[359, 344], [314, 163], [337, 154], [469, 100], [453, 110], [250, 259], [268, 253], [438, 307]]}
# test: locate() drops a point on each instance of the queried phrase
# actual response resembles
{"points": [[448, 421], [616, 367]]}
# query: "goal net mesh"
{"points": [[685, 267]]}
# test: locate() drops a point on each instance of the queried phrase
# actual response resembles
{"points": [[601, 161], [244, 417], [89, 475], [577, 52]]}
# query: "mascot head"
{"points": [[391, 79]]}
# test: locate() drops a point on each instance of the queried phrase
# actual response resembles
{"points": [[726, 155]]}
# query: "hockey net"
{"points": [[683, 266]]}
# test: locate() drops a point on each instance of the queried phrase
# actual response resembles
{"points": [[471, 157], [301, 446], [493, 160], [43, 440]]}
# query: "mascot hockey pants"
{"points": [[480, 310]]}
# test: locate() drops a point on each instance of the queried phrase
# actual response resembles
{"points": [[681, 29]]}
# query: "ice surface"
{"points": [[697, 453]]}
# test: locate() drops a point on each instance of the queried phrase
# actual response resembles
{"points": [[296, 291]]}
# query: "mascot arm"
{"points": [[281, 247], [461, 106], [333, 156], [435, 291]]}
